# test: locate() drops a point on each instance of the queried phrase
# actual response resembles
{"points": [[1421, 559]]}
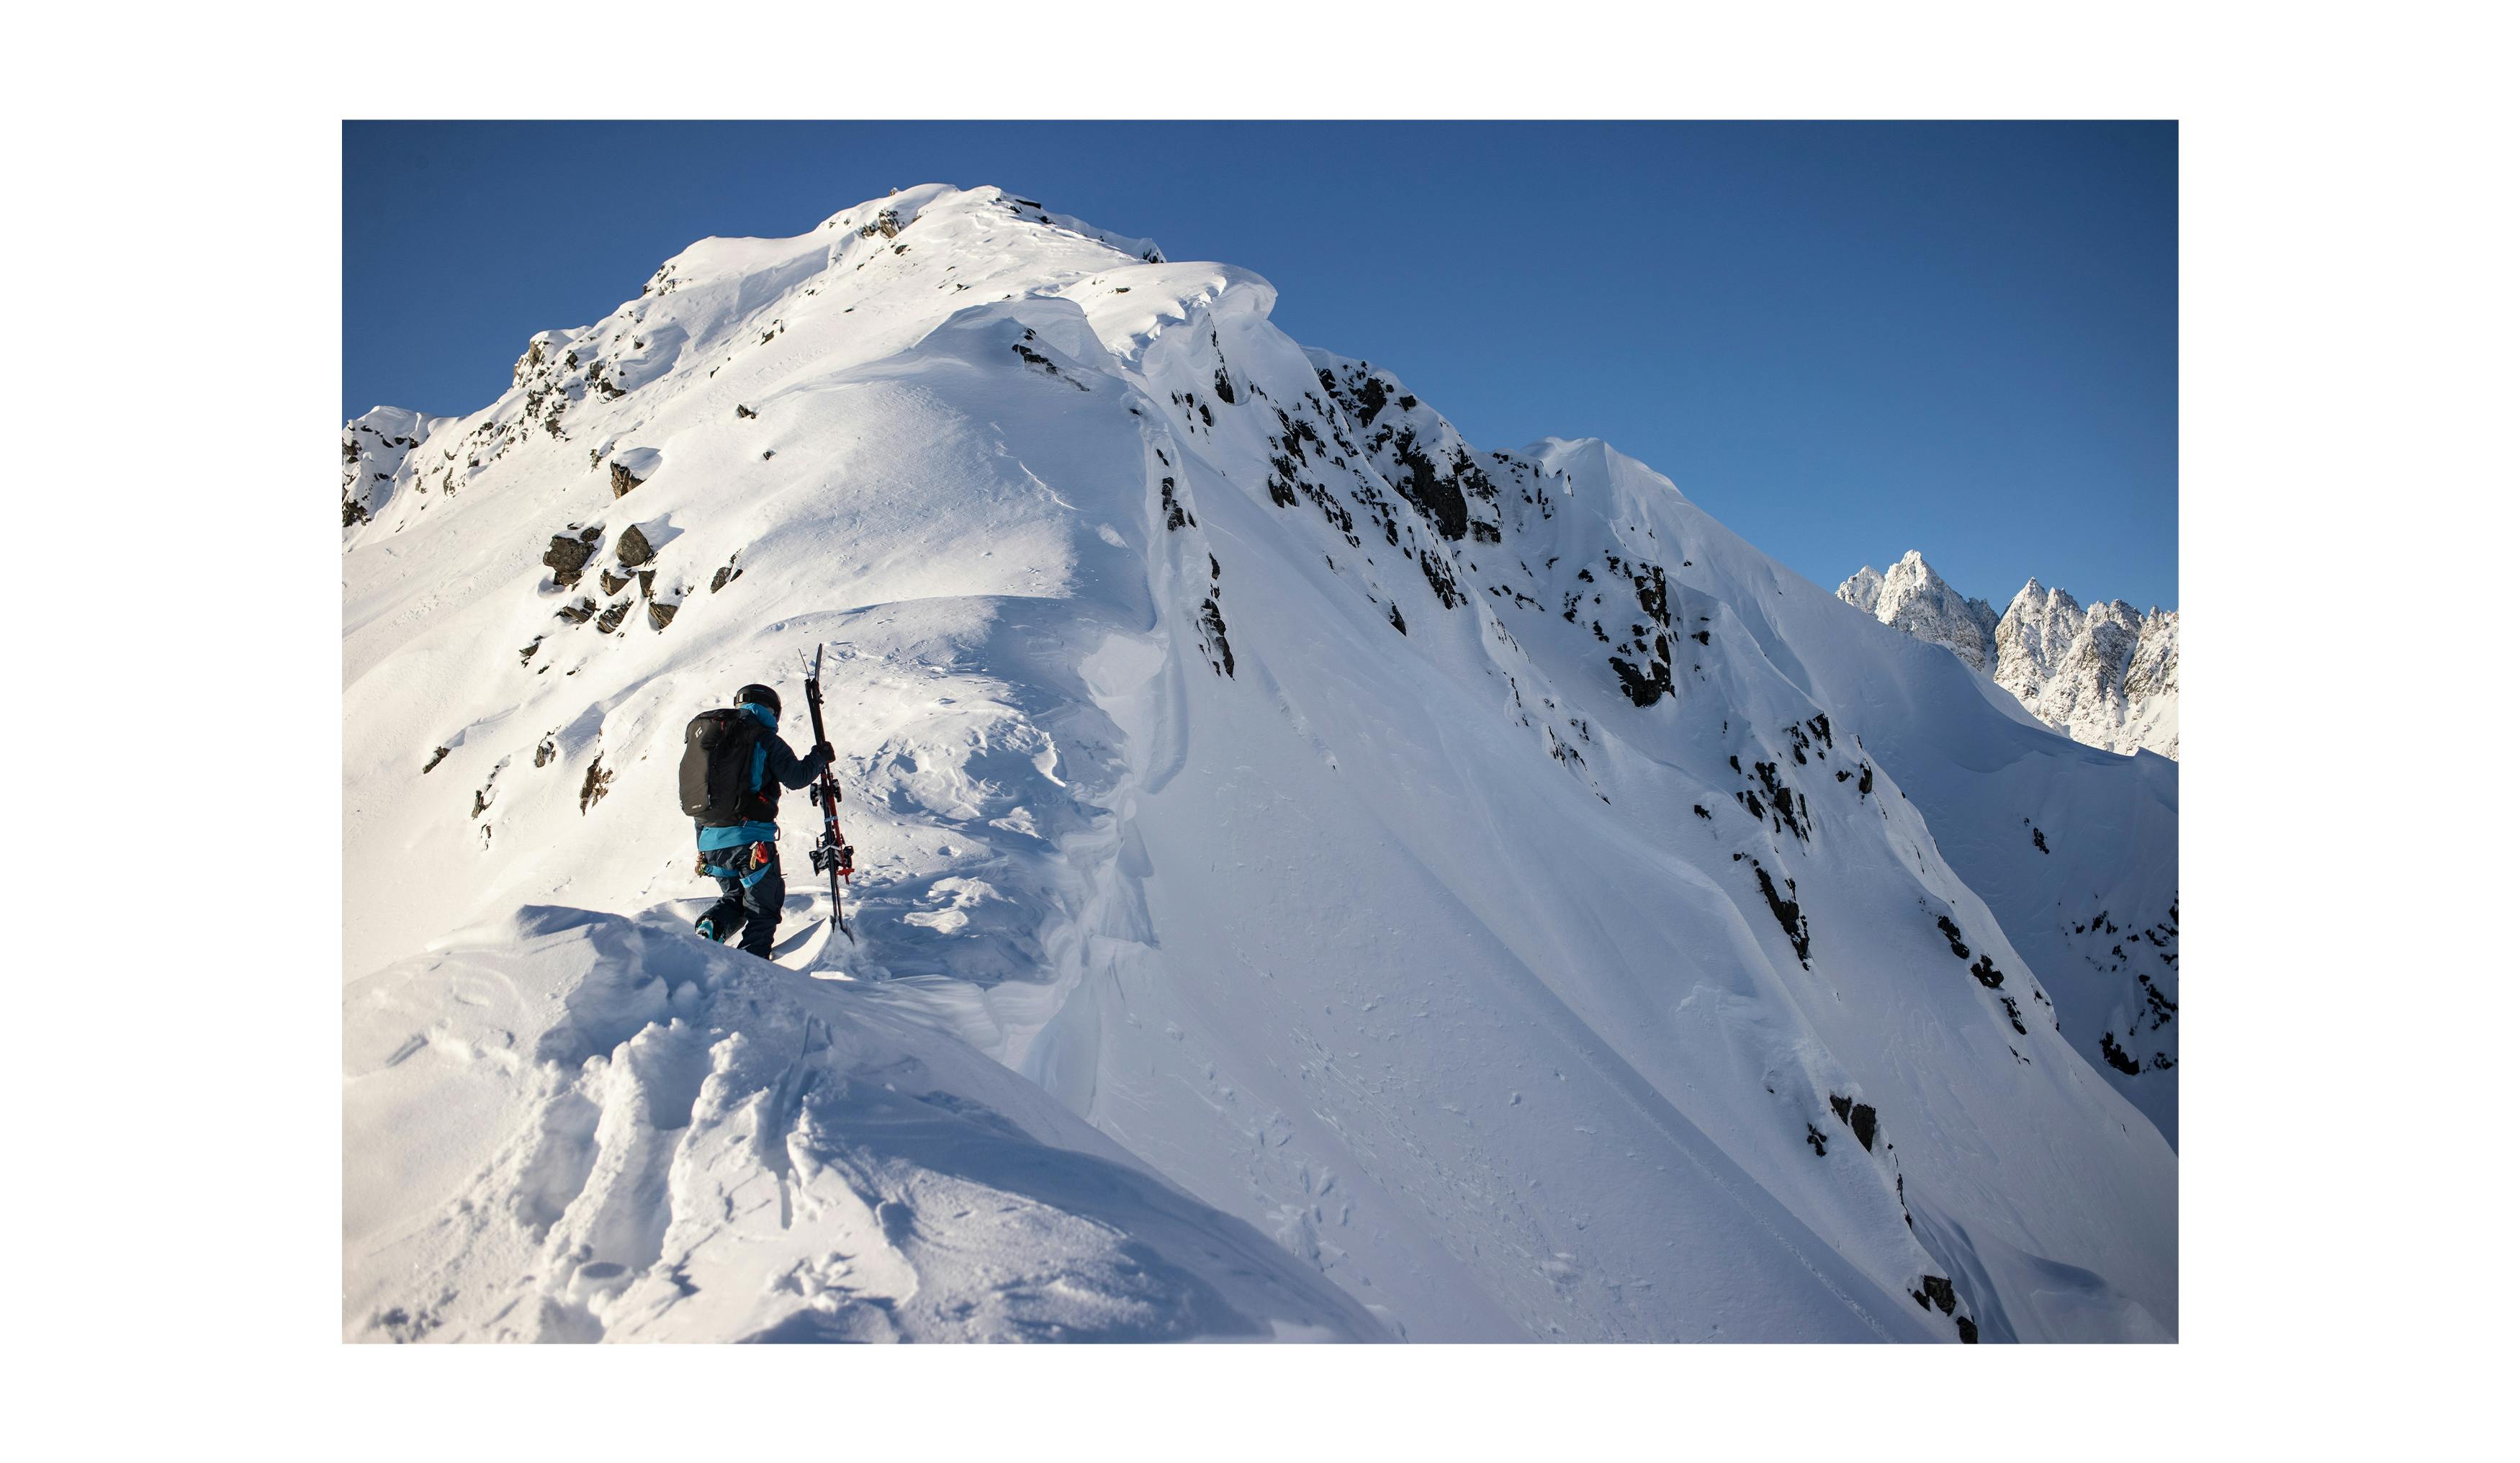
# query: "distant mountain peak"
{"points": [[2104, 675], [1914, 599]]}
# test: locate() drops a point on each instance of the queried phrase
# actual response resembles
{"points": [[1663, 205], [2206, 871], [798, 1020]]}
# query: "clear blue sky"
{"points": [[1845, 341]]}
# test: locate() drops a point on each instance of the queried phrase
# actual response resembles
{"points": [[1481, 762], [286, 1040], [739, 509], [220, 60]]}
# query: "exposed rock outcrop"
{"points": [[567, 556]]}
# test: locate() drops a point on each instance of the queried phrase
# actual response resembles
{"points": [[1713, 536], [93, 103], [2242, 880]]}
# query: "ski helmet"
{"points": [[758, 695]]}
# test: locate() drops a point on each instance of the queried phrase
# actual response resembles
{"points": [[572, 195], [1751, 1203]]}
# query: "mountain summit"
{"points": [[1913, 597], [1318, 878]]}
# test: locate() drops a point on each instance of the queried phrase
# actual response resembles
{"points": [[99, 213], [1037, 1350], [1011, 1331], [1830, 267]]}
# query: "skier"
{"points": [[734, 764]]}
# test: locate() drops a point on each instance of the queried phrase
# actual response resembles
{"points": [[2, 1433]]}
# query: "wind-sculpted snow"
{"points": [[579, 1127], [1475, 871]]}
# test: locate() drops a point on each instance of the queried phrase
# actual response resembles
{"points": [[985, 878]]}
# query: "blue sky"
{"points": [[1844, 341]]}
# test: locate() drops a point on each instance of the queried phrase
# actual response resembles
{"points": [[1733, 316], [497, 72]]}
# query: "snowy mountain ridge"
{"points": [[1528, 906], [2106, 676]]}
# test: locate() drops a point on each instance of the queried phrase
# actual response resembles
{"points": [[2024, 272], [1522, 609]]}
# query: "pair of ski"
{"points": [[830, 855]]}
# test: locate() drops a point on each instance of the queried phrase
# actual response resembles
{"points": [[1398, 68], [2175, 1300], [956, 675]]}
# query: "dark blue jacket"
{"points": [[774, 765]]}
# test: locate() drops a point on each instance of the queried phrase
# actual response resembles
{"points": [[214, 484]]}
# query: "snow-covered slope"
{"points": [[1478, 872], [2107, 676]]}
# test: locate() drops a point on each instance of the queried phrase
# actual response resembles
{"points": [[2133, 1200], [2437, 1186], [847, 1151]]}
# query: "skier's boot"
{"points": [[707, 929]]}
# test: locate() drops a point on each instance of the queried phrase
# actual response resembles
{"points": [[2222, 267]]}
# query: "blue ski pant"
{"points": [[751, 900]]}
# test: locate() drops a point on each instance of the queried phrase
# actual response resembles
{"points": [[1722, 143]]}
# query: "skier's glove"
{"points": [[822, 749]]}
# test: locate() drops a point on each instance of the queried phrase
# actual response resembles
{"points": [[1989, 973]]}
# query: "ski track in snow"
{"points": [[1316, 881]]}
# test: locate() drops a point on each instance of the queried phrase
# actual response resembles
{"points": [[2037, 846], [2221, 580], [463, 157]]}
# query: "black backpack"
{"points": [[717, 765]]}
